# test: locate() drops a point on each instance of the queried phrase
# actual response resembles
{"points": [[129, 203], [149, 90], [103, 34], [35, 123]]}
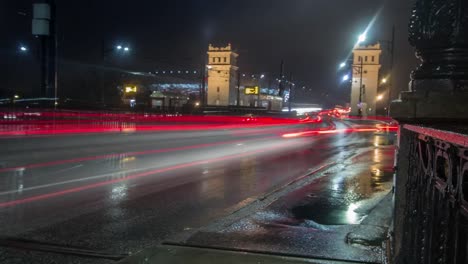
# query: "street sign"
{"points": [[130, 89], [252, 90]]}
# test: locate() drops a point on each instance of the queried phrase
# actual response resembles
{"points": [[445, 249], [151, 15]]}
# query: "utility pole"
{"points": [[290, 91], [44, 26], [238, 87], [360, 87], [392, 58], [103, 72], [52, 79], [202, 86], [55, 51], [281, 89]]}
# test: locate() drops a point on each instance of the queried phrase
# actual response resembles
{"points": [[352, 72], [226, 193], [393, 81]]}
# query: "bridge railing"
{"points": [[431, 196]]}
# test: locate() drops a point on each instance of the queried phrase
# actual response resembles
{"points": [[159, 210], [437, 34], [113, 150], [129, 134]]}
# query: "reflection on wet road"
{"points": [[347, 196], [124, 192]]}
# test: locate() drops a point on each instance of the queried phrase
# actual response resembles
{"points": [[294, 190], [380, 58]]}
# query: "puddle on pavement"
{"points": [[329, 215], [349, 201], [384, 139]]}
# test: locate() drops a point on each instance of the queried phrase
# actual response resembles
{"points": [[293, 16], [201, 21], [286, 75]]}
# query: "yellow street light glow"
{"points": [[380, 97], [384, 80], [130, 89]]}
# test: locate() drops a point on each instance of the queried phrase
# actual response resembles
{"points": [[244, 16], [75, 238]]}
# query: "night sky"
{"points": [[311, 36]]}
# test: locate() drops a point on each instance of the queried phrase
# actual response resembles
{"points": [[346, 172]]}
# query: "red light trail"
{"points": [[136, 153], [136, 176]]}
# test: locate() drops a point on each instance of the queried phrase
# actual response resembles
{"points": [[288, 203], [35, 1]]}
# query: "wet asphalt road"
{"points": [[121, 193]]}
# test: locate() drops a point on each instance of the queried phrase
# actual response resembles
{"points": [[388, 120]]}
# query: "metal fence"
{"points": [[434, 216]]}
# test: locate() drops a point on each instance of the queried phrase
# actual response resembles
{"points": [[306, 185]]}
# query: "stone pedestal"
{"points": [[434, 101]]}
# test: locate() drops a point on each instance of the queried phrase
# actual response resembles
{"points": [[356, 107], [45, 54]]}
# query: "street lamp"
{"points": [[362, 38], [122, 48], [384, 80], [108, 49], [359, 68], [379, 97], [23, 48]]}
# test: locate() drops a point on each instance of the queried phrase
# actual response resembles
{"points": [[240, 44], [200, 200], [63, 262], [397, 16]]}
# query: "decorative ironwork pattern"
{"points": [[434, 21], [436, 214], [438, 31]]}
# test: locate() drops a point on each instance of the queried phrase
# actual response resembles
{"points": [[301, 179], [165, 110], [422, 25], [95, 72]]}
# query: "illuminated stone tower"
{"points": [[366, 67], [222, 76]]}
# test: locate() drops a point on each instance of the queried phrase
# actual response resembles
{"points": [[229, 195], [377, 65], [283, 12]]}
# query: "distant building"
{"points": [[366, 64], [168, 101], [222, 76]]}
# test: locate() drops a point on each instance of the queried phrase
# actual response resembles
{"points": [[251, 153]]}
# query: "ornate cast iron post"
{"points": [[428, 211], [439, 86]]}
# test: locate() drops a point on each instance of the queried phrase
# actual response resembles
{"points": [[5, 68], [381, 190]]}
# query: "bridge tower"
{"points": [[366, 68], [222, 76]]}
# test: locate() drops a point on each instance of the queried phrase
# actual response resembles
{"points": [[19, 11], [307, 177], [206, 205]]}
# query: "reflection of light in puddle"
{"points": [[376, 172], [336, 182], [119, 192], [352, 216], [335, 187], [128, 159], [376, 141], [376, 155]]}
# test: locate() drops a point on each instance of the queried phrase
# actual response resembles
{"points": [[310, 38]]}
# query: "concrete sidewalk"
{"points": [[169, 254], [340, 214]]}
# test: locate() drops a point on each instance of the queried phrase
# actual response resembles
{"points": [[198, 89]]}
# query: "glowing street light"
{"points": [[262, 76], [130, 89], [23, 48], [342, 65], [379, 97], [384, 80], [346, 78], [362, 38], [122, 48]]}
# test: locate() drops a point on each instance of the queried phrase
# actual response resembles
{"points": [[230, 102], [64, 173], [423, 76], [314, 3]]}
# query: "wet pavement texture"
{"points": [[325, 217], [120, 193]]}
